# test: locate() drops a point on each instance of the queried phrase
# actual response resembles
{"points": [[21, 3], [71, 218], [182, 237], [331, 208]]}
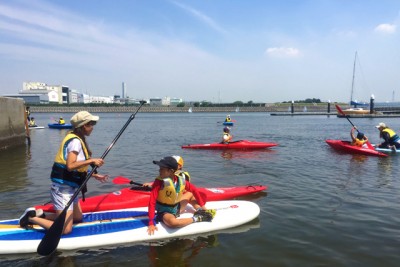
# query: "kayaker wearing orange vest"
{"points": [[360, 140]]}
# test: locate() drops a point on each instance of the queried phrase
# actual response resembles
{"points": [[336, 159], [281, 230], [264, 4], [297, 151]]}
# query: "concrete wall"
{"points": [[12, 122]]}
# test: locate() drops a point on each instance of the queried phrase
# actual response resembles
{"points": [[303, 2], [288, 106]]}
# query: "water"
{"points": [[322, 208]]}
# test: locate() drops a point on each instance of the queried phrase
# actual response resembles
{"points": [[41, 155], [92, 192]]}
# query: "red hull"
{"points": [[345, 146], [133, 198], [241, 144]]}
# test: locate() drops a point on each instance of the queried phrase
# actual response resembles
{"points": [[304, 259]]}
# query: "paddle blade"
{"points": [[52, 237], [124, 180], [339, 109], [121, 180]]}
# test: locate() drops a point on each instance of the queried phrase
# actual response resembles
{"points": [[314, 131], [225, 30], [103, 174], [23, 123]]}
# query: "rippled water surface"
{"points": [[322, 208]]}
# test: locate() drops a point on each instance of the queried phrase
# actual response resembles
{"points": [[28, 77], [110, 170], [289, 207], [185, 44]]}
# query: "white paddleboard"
{"points": [[125, 226], [387, 150]]}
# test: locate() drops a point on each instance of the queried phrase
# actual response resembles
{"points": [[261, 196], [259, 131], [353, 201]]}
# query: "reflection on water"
{"points": [[179, 252], [322, 208], [259, 154], [13, 167]]}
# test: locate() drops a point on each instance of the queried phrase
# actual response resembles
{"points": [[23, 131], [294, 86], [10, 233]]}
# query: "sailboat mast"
{"points": [[352, 82]]}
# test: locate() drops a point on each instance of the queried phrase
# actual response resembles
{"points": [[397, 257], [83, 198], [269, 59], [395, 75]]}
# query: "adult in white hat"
{"points": [[69, 170], [391, 139]]}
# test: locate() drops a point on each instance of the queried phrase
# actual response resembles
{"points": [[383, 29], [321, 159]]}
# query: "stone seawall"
{"points": [[267, 108], [12, 122]]}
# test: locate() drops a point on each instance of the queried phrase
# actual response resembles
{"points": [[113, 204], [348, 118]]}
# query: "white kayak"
{"points": [[124, 226]]}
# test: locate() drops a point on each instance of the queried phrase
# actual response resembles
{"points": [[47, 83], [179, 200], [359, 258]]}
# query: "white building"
{"points": [[56, 93], [155, 101], [175, 101]]}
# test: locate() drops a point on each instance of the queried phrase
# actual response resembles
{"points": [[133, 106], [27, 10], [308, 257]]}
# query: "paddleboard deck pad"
{"points": [[118, 227]]}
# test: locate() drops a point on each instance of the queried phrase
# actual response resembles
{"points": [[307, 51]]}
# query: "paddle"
{"points": [[342, 113], [124, 180], [226, 121], [52, 237]]}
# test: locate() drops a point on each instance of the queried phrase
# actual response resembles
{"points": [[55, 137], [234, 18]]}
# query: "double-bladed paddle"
{"points": [[342, 113], [52, 237]]}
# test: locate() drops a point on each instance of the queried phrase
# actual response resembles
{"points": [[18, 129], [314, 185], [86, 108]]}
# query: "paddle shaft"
{"points": [[50, 240], [341, 112]]}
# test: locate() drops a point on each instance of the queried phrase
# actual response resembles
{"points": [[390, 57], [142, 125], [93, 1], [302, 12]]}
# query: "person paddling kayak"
{"points": [[226, 137], [360, 140]]}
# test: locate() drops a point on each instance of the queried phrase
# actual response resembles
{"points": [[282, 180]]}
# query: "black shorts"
{"points": [[160, 215]]}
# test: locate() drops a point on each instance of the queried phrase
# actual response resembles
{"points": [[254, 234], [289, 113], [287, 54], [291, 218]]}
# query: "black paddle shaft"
{"points": [[341, 112], [52, 237]]}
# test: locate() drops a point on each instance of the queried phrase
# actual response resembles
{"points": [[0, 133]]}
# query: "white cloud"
{"points": [[202, 17], [282, 52], [386, 28]]}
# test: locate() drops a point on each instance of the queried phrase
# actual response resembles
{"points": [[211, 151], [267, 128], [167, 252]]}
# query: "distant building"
{"points": [[123, 90], [56, 93], [42, 93], [165, 101], [175, 101], [156, 102]]}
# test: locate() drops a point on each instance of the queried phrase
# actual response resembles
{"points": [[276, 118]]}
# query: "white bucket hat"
{"points": [[81, 118]]}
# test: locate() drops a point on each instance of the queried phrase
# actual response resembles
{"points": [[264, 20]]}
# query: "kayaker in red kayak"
{"points": [[69, 171], [226, 137], [168, 200], [359, 140], [392, 140]]}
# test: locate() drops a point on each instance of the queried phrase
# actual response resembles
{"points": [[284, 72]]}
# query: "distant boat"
{"points": [[237, 109], [305, 109], [59, 126], [190, 110], [35, 127], [355, 109], [352, 111]]}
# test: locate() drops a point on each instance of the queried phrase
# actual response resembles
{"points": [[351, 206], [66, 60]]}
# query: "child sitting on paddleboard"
{"points": [[168, 199]]}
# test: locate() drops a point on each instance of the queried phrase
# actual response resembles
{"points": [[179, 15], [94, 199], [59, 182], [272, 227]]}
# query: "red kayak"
{"points": [[241, 144], [345, 146], [139, 196]]}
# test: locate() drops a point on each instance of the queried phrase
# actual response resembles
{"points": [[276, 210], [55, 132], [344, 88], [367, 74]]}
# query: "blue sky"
{"points": [[219, 51]]}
